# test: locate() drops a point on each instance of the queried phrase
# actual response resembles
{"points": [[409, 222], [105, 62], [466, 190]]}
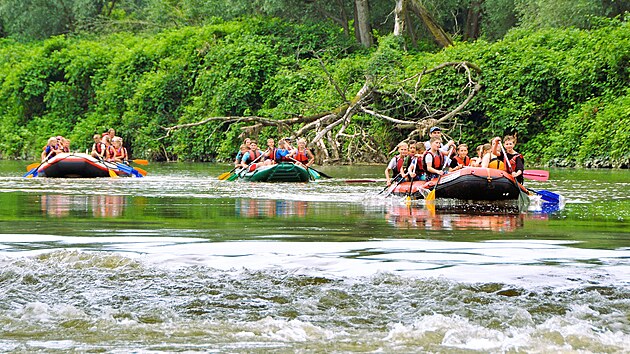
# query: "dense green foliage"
{"points": [[564, 91], [468, 19]]}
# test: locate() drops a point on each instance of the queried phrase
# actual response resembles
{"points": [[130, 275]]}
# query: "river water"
{"points": [[180, 261]]}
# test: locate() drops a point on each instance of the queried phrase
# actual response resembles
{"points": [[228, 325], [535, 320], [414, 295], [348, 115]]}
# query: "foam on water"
{"points": [[76, 300]]}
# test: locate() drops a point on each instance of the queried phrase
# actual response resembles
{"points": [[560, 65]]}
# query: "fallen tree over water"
{"points": [[338, 136]]}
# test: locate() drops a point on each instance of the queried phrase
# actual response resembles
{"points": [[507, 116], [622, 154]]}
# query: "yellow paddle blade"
{"points": [[30, 176], [32, 166], [140, 162], [430, 208], [112, 174], [431, 196], [141, 171], [224, 176]]}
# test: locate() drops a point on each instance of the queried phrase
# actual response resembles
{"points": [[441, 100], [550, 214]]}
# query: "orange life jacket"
{"points": [[463, 162], [301, 156], [122, 152]]}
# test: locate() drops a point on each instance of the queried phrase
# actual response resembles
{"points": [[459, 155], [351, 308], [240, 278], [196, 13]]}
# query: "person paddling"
{"points": [[98, 148], [436, 132], [51, 149], [301, 154], [270, 155], [396, 164], [416, 170], [252, 155], [516, 162], [120, 152], [433, 159], [460, 160]]}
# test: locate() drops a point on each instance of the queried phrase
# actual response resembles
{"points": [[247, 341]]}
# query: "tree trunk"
{"points": [[472, 20], [438, 33], [362, 16], [400, 12]]}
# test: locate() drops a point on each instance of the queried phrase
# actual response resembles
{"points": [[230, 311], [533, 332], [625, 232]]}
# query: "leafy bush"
{"points": [[558, 89]]}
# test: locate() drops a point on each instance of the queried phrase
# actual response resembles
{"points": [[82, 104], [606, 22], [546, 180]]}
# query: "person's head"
{"points": [[282, 144], [509, 141], [435, 132], [480, 150], [420, 148], [112, 133], [402, 148], [107, 140], [485, 149], [462, 150], [52, 141], [412, 149], [117, 142], [301, 143], [65, 142], [287, 140], [436, 143], [97, 138], [247, 141], [244, 148], [271, 143], [253, 145]]}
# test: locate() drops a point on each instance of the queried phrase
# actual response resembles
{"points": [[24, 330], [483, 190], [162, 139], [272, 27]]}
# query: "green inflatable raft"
{"points": [[282, 172]]}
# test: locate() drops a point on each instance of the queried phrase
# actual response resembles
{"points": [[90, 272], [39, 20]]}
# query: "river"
{"points": [[180, 261]]}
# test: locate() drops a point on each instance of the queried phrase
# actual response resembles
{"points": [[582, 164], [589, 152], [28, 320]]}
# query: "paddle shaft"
{"points": [[523, 198], [251, 163], [34, 170], [393, 179], [431, 195]]}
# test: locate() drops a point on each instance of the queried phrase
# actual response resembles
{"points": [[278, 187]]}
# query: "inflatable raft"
{"points": [[76, 165], [469, 183], [282, 172]]}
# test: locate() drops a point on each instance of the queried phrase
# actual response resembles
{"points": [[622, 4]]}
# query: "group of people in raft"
{"points": [[107, 147], [250, 156], [423, 161]]}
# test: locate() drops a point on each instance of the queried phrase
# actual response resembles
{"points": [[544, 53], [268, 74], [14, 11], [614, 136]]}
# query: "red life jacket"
{"points": [[438, 161], [419, 166], [399, 165], [99, 148], [301, 156], [252, 156], [111, 151], [272, 155], [464, 162], [511, 167]]}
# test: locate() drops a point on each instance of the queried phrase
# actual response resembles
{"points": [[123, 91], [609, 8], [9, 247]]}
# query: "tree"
{"points": [[401, 15], [362, 22], [342, 134]]}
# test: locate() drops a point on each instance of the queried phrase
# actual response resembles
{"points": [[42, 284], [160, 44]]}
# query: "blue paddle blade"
{"points": [[548, 196], [31, 172], [125, 168]]}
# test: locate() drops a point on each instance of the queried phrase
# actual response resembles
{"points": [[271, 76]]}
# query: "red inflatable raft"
{"points": [[71, 165], [469, 183]]}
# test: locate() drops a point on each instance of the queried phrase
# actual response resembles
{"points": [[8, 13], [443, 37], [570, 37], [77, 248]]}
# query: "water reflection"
{"points": [[270, 208], [420, 217], [99, 206]]}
